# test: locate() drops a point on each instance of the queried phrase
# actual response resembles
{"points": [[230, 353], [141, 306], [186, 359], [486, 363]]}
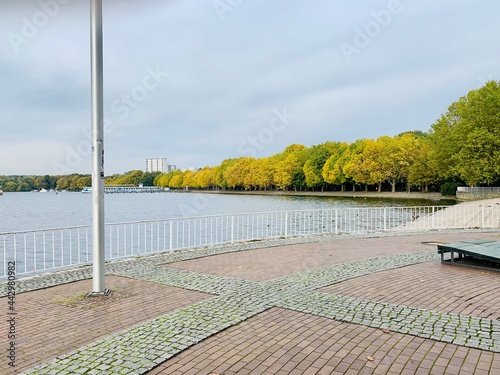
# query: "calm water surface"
{"points": [[25, 211]]}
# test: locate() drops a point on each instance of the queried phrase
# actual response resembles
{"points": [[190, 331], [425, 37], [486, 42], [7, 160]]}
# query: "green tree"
{"points": [[466, 139], [10, 186], [148, 178], [316, 159]]}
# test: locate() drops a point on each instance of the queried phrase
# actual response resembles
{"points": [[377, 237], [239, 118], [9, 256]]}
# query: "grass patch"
{"points": [[82, 301], [71, 300]]}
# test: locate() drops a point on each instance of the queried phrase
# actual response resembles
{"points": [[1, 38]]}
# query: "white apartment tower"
{"points": [[159, 165], [156, 165]]}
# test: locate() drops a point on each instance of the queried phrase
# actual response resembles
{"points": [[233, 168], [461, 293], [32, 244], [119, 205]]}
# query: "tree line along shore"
{"points": [[461, 148]]}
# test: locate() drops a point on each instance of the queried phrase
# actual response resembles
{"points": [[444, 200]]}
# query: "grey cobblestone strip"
{"points": [[452, 328], [48, 280], [189, 280], [324, 276]]}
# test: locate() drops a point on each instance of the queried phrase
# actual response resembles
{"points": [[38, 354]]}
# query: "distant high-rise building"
{"points": [[170, 168], [159, 165], [156, 165]]}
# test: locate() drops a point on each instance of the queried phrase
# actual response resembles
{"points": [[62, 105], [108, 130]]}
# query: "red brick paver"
{"points": [[432, 286], [270, 263], [280, 341]]}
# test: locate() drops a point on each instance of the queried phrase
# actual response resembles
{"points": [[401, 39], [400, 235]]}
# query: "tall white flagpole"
{"points": [[98, 284]]}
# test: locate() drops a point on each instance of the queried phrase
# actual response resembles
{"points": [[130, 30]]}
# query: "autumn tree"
{"points": [[263, 173], [177, 180], [356, 166], [205, 178], [333, 170], [398, 156], [220, 174], [423, 171], [235, 174], [289, 166]]}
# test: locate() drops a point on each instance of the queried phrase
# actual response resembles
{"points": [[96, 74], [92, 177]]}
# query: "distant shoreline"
{"points": [[342, 194]]}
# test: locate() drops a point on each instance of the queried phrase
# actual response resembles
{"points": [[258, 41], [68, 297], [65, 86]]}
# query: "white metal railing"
{"points": [[50, 249], [478, 190]]}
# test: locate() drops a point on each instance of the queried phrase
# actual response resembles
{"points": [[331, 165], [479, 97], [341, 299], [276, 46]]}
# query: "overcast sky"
{"points": [[200, 81]]}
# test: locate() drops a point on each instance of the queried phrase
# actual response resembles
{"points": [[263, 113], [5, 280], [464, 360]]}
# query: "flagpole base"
{"points": [[105, 292]]}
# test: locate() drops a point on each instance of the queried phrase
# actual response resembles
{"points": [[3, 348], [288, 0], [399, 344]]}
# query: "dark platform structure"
{"points": [[483, 254]]}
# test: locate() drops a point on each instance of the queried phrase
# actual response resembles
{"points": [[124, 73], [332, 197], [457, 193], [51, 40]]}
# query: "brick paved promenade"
{"points": [[324, 305]]}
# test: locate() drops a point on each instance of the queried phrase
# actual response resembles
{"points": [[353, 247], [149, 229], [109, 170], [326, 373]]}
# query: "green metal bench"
{"points": [[483, 254]]}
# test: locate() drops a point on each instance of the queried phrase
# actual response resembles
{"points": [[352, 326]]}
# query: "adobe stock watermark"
{"points": [[122, 107], [364, 36], [31, 26], [221, 7], [277, 124]]}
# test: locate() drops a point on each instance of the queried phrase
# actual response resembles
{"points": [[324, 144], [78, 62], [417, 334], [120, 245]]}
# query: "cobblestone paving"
{"points": [[285, 342], [146, 345], [430, 286]]}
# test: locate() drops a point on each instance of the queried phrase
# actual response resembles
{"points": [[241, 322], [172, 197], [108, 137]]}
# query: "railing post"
{"points": [[433, 224], [34, 250], [286, 224], [5, 255], [385, 219], [15, 248], [232, 228], [171, 236], [25, 255], [336, 223], [482, 217]]}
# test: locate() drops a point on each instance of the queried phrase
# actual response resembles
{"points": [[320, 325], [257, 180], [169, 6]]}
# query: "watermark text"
{"points": [[11, 314], [364, 36]]}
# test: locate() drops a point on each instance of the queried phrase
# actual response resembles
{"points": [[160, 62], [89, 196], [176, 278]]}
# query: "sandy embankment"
{"points": [[470, 214]]}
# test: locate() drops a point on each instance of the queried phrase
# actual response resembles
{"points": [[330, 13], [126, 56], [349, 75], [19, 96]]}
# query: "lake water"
{"points": [[26, 211]]}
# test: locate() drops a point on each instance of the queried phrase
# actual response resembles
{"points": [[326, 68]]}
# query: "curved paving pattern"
{"points": [[430, 286], [147, 345]]}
